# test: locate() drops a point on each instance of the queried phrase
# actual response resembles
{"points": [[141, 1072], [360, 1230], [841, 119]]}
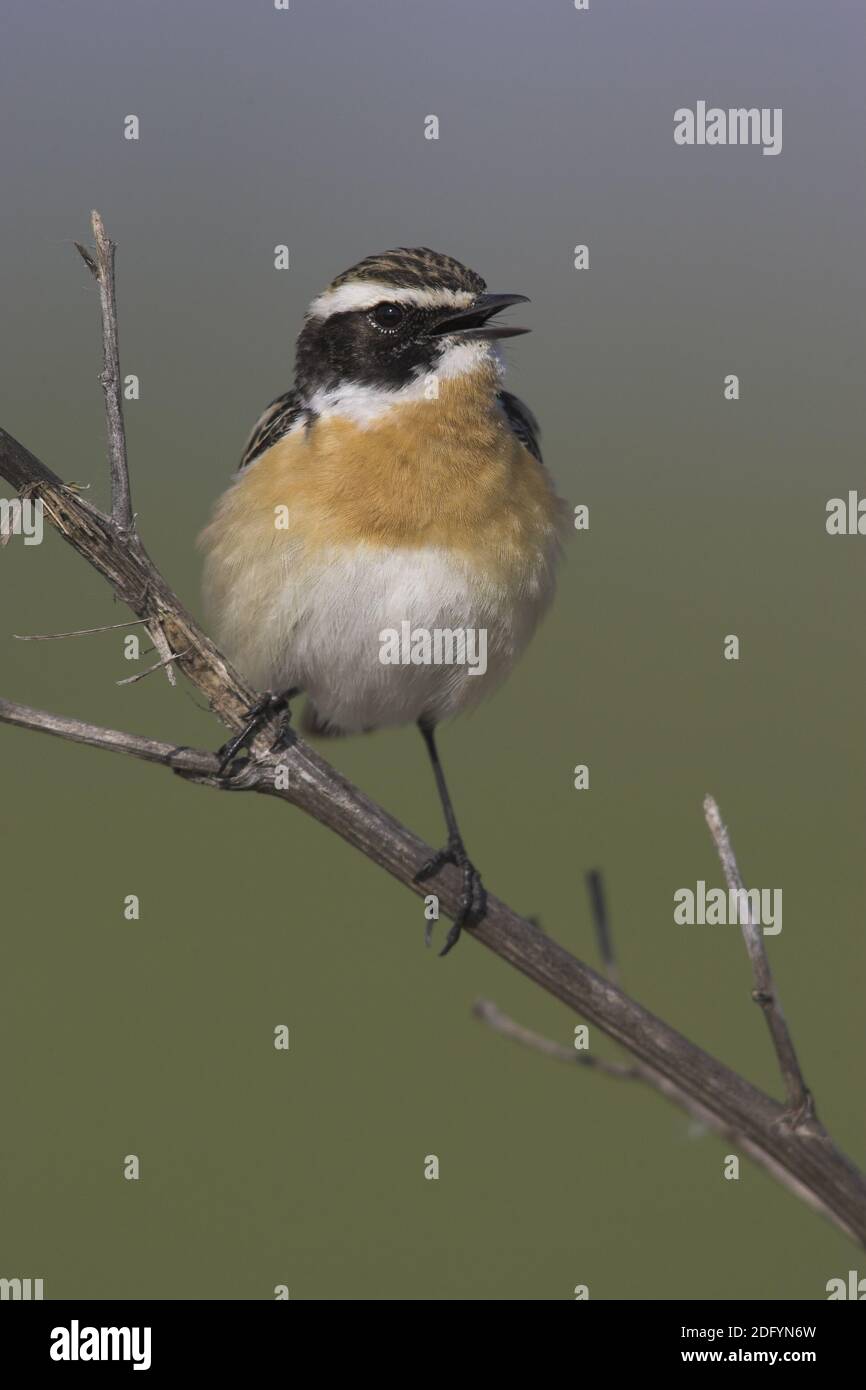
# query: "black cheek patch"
{"points": [[347, 347]]}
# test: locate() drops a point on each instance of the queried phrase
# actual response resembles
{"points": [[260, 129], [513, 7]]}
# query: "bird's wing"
{"points": [[275, 421], [522, 422]]}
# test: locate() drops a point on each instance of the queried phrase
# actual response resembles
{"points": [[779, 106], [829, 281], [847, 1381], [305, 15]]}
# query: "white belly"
{"points": [[325, 628]]}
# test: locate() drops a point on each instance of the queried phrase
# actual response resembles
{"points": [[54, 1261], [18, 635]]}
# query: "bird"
{"points": [[395, 493]]}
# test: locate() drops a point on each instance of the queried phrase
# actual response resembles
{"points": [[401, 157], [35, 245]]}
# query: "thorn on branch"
{"points": [[601, 922], [158, 666], [87, 259]]}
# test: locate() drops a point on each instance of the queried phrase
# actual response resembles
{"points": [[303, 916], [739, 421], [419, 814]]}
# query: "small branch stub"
{"points": [[103, 268], [800, 1102]]}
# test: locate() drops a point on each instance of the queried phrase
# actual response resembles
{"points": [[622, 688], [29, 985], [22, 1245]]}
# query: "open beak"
{"points": [[474, 321]]}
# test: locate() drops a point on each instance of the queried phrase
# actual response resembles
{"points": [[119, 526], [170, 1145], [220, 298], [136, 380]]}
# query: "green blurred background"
{"points": [[707, 517]]}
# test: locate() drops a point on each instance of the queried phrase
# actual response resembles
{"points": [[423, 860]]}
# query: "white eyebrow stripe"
{"points": [[365, 294]]}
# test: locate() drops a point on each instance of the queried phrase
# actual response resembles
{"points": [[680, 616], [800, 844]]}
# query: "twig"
{"points": [[102, 266], [639, 1071], [500, 1022], [161, 643], [595, 886], [701, 1114], [193, 760], [800, 1100], [809, 1163], [79, 632], [157, 666]]}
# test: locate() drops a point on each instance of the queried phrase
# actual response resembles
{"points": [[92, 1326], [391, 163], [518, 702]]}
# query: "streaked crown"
{"points": [[414, 267]]}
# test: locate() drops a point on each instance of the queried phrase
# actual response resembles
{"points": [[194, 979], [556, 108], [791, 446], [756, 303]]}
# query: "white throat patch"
{"points": [[364, 404]]}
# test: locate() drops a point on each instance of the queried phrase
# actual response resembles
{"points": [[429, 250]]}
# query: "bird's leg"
{"points": [[258, 715], [473, 900]]}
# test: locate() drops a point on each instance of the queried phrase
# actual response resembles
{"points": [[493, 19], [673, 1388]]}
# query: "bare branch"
{"points": [[103, 267], [171, 755], [706, 1118], [764, 992]]}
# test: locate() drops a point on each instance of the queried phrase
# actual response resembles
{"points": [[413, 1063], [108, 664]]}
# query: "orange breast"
{"points": [[446, 472]]}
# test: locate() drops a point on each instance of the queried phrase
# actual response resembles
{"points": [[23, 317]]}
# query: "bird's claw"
{"points": [[473, 899], [257, 716]]}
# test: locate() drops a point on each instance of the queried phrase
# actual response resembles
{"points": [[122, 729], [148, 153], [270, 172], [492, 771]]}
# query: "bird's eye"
{"points": [[387, 315]]}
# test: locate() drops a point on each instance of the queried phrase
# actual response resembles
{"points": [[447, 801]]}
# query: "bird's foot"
{"points": [[473, 899], [258, 715]]}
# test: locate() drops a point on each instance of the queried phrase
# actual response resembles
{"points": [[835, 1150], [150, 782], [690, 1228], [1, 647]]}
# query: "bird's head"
{"points": [[394, 318]]}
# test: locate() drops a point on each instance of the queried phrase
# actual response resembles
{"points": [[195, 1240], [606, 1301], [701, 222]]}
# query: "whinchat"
{"points": [[396, 492]]}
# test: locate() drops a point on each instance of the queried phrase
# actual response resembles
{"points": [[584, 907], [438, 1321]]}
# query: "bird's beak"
{"points": [[474, 321]]}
